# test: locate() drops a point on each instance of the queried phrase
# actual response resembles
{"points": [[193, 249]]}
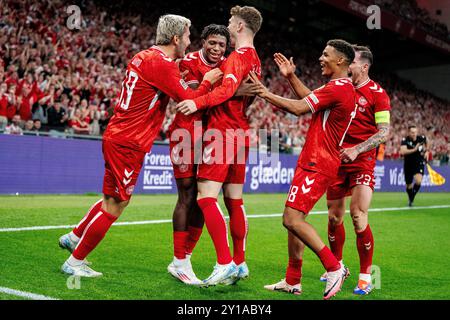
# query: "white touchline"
{"points": [[23, 294], [130, 223]]}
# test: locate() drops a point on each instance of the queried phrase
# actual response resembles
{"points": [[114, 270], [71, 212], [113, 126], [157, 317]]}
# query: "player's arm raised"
{"points": [[297, 107], [287, 70]]}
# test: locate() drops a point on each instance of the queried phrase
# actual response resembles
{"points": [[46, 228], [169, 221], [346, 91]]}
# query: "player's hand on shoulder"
{"points": [[258, 88], [349, 154], [186, 107], [247, 88], [286, 67], [213, 75]]}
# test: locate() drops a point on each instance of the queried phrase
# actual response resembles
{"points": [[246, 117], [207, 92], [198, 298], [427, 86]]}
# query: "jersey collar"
{"points": [[155, 47], [202, 57], [363, 84]]}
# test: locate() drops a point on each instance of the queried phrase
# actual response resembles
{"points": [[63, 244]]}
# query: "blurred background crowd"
{"points": [[61, 81]]}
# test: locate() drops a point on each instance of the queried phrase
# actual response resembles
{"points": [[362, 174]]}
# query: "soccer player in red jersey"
{"points": [[369, 129], [187, 217], [151, 79], [333, 108], [228, 123]]}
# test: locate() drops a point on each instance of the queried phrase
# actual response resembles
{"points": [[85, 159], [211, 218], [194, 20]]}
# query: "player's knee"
{"points": [[359, 217], [334, 219], [290, 220]]}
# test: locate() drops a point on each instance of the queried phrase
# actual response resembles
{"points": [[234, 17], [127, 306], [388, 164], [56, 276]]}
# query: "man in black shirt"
{"points": [[414, 149]]}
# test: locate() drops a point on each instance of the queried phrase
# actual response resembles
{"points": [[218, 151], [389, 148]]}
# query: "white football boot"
{"points": [[82, 270], [285, 287], [221, 273], [182, 270], [335, 279]]}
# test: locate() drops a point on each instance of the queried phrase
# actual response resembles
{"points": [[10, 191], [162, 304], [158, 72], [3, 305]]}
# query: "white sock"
{"points": [[73, 237], [74, 262], [365, 277], [179, 262], [341, 263]]}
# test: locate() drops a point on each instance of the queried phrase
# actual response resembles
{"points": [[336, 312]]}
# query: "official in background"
{"points": [[414, 150]]}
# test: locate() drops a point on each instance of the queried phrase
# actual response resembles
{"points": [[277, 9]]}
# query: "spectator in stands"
{"points": [[3, 105], [79, 125], [14, 127], [57, 117]]}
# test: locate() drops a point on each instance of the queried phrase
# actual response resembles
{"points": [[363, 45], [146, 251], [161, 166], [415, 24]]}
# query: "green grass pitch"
{"points": [[411, 250]]}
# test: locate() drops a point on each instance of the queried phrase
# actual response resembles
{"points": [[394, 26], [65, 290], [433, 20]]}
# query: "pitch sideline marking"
{"points": [[129, 223], [24, 294]]}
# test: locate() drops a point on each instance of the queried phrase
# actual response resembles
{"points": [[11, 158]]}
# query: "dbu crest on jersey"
{"points": [[130, 190], [362, 101]]}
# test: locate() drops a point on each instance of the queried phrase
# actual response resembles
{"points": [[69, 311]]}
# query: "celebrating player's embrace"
{"points": [[350, 118]]}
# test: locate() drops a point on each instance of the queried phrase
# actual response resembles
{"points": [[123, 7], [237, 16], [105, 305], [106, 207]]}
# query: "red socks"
{"points": [[336, 238], [329, 261], [94, 232], [194, 236], [238, 228], [294, 271], [364, 243], [79, 229], [179, 244], [217, 228]]}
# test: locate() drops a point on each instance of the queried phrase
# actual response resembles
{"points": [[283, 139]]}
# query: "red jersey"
{"points": [[333, 108], [229, 112], [197, 66], [370, 99], [151, 79]]}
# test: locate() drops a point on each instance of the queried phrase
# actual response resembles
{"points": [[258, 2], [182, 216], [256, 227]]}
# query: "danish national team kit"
{"points": [[184, 166], [373, 106], [333, 108], [227, 121], [152, 78]]}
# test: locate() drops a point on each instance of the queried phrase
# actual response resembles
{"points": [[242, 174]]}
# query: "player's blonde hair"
{"points": [[170, 25], [251, 16]]}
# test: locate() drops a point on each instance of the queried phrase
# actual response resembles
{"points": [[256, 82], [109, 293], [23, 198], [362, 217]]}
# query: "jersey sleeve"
{"points": [[322, 98], [234, 71], [165, 76], [382, 101]]}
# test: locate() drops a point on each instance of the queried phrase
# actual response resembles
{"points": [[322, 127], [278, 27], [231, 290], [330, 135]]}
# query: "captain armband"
{"points": [[382, 117]]}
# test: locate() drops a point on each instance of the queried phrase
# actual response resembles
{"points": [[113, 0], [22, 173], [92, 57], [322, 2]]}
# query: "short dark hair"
{"points": [[412, 127], [343, 47], [215, 29], [365, 53]]}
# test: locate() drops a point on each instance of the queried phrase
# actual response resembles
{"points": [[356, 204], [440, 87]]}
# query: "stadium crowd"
{"points": [[409, 10], [53, 79]]}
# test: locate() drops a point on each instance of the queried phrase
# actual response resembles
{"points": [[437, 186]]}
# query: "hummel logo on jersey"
{"points": [[368, 245], [175, 156], [189, 57], [207, 155], [307, 183], [376, 88], [128, 174], [331, 238]]}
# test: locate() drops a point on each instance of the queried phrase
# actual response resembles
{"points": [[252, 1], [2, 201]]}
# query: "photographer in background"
{"points": [[414, 149]]}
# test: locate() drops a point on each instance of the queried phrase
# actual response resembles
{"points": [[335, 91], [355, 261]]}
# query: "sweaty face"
{"points": [[183, 43], [233, 25], [328, 61], [214, 48], [356, 67]]}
